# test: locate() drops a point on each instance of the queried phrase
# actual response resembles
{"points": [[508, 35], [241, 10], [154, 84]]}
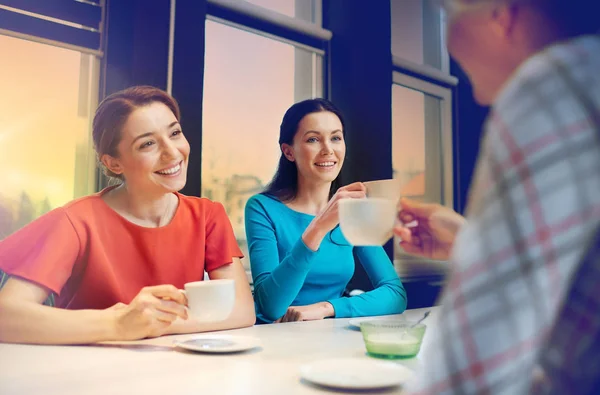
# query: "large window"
{"points": [[48, 99], [250, 79], [421, 115], [418, 131]]}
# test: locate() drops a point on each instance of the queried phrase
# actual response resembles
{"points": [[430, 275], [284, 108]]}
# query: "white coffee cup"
{"points": [[384, 189], [367, 222], [210, 300]]}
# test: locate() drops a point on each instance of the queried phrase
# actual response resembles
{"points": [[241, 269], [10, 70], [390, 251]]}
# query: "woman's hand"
{"points": [[23, 318], [310, 312], [243, 314], [150, 313], [329, 217], [434, 234]]}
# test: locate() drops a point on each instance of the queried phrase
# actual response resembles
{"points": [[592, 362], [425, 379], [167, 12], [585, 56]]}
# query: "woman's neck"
{"points": [[311, 198], [141, 208]]}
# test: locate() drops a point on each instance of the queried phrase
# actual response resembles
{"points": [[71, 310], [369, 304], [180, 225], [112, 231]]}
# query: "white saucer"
{"points": [[355, 374], [219, 343]]}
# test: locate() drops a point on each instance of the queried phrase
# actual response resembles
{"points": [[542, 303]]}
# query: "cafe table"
{"points": [[156, 366]]}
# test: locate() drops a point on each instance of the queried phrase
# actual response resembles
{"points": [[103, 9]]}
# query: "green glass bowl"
{"points": [[392, 339]]}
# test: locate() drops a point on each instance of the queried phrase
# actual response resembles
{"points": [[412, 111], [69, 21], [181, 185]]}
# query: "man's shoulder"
{"points": [[553, 98], [554, 80]]}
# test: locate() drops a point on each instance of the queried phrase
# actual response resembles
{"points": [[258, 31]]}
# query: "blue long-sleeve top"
{"points": [[288, 273]]}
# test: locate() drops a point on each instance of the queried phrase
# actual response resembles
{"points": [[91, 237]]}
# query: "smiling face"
{"points": [[318, 148], [152, 154]]}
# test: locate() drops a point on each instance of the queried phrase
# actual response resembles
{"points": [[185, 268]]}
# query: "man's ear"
{"points": [[111, 164], [504, 18], [288, 152]]}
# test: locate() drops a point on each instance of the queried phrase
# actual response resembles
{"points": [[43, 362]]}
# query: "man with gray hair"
{"points": [[521, 311]]}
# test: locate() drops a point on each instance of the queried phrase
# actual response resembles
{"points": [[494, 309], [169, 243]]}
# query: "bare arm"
{"points": [[433, 236], [23, 318], [243, 314]]}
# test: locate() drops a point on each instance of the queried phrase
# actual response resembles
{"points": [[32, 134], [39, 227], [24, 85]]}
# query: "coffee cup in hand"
{"points": [[210, 300], [384, 189], [367, 222]]}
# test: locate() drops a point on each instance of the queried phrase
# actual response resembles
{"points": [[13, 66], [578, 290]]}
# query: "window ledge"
{"points": [[424, 71], [274, 18]]}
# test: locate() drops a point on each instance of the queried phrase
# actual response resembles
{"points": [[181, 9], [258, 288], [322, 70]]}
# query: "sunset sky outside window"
{"points": [[44, 129], [248, 86], [408, 139]]}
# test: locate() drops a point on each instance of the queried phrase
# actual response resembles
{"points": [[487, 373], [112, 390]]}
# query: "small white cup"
{"points": [[210, 300], [367, 222], [384, 189]]}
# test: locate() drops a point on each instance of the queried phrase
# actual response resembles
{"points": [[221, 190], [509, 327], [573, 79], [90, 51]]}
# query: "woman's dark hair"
{"points": [[284, 184]]}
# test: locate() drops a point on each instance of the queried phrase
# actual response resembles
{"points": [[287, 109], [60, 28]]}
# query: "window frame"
{"points": [[49, 24], [86, 171], [433, 47], [74, 25], [446, 148], [271, 21], [271, 24]]}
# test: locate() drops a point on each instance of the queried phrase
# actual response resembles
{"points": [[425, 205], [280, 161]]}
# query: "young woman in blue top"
{"points": [[301, 262]]}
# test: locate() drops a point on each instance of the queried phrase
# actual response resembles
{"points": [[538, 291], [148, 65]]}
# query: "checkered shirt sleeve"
{"points": [[569, 361], [534, 206]]}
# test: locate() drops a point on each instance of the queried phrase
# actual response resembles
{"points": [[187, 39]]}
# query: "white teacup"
{"points": [[210, 300], [384, 189], [367, 222]]}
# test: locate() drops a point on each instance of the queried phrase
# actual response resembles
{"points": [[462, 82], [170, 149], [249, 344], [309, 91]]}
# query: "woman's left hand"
{"points": [[310, 312]]}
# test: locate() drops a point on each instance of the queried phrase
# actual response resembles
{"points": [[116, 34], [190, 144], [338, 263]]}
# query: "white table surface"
{"points": [[154, 366]]}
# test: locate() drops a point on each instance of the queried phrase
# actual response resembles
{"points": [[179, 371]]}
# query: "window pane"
{"points": [[301, 9], [249, 83], [408, 139], [417, 161], [416, 143], [48, 98], [417, 32]]}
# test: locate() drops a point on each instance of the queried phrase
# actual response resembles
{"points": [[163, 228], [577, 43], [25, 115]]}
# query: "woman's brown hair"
{"points": [[113, 112]]}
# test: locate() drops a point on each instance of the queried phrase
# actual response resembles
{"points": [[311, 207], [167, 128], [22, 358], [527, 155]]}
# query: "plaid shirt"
{"points": [[521, 311]]}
